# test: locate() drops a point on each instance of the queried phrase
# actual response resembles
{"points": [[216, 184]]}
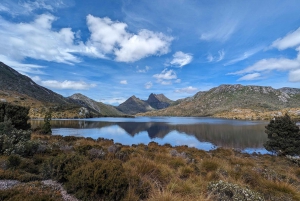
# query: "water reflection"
{"points": [[203, 133]]}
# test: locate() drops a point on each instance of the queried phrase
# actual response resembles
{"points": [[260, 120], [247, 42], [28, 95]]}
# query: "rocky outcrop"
{"points": [[159, 101], [134, 105]]}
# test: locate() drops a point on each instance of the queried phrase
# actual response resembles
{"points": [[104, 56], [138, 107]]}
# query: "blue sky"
{"points": [[110, 50]]}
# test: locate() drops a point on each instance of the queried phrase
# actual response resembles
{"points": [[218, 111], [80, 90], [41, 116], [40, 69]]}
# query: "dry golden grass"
{"points": [[176, 173]]}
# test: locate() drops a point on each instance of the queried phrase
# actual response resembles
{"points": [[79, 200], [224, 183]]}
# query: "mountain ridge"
{"points": [[231, 101]]}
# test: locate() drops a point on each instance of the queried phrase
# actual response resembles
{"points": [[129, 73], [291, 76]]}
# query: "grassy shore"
{"points": [[102, 170]]}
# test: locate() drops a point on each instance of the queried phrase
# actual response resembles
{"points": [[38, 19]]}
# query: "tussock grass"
{"points": [[154, 172]]}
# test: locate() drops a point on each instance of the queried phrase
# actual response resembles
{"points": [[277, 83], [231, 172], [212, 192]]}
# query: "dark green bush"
{"points": [[283, 136], [16, 114], [14, 161], [99, 180]]}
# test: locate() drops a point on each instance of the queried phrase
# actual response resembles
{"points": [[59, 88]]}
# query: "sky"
{"points": [[110, 50]]}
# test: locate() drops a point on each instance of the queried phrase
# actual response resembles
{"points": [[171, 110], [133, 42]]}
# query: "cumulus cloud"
{"points": [[165, 77], [37, 40], [67, 84], [252, 76], [290, 40], [189, 90], [111, 37], [181, 59], [148, 85], [123, 82]]}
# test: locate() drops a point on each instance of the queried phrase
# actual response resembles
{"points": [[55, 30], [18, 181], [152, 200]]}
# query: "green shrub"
{"points": [[14, 161], [61, 167], [18, 115], [99, 180], [283, 136]]}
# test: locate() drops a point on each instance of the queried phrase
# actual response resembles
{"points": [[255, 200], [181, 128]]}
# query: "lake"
{"points": [[200, 132]]}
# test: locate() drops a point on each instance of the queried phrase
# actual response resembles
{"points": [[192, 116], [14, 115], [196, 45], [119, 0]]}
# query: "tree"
{"points": [[47, 126], [283, 136]]}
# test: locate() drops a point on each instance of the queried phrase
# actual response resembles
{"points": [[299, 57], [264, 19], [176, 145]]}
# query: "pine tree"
{"points": [[283, 136]]}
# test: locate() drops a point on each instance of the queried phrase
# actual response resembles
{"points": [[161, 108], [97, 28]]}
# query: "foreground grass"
{"points": [[101, 170]]}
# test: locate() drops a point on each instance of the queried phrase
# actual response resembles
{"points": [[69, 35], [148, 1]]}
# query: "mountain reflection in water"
{"points": [[212, 132]]}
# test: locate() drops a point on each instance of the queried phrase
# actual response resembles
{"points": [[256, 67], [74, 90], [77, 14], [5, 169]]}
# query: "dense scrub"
{"points": [[101, 170]]}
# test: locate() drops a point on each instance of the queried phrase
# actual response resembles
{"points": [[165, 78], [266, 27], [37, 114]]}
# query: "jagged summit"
{"points": [[158, 101]]}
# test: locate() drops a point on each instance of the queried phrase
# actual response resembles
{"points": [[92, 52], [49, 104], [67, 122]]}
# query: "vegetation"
{"points": [[283, 136], [103, 170], [47, 126]]}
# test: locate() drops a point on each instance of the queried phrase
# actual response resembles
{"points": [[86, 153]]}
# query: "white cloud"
{"points": [[37, 40], [113, 101], [290, 40], [181, 59], [111, 37], [165, 77], [148, 85], [189, 90], [252, 76], [20, 67], [26, 7], [67, 84], [281, 64], [244, 56], [220, 57], [220, 32], [145, 70], [178, 81], [209, 58], [294, 75], [123, 82]]}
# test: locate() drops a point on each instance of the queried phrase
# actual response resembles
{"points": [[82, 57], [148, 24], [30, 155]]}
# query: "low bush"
{"points": [[61, 167], [99, 180]]}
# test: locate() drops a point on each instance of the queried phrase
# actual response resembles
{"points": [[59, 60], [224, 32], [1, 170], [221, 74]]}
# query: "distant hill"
{"points": [[134, 105], [236, 101], [101, 108]]}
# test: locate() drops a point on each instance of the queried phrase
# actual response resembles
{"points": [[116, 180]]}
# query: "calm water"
{"points": [[202, 133]]}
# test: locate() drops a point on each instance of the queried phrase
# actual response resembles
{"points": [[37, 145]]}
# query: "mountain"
{"points": [[134, 105], [158, 101], [19, 89], [11, 80], [236, 101], [101, 108]]}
